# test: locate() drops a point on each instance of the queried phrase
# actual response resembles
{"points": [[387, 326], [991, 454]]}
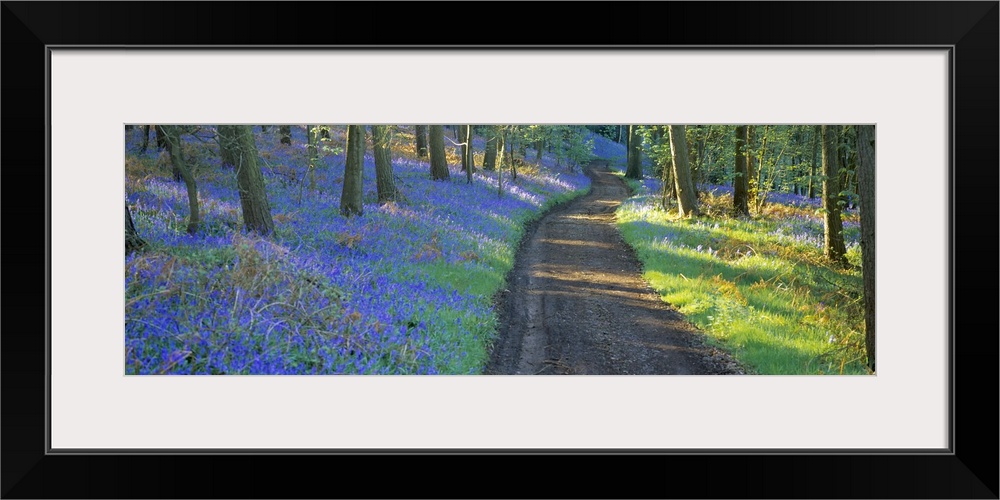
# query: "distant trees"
{"points": [[866, 191], [634, 163], [384, 181], [439, 164], [687, 200], [286, 134], [239, 149], [350, 199], [833, 229]]}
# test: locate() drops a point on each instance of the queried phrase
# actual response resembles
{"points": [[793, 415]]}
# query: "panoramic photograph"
{"points": [[499, 249]]}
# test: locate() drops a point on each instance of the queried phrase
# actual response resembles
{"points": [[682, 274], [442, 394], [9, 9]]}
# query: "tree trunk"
{"points": [[687, 200], [619, 138], [161, 139], [866, 190], [384, 181], [145, 138], [634, 169], [439, 164], [171, 136], [286, 134], [815, 156], [350, 198], [833, 233], [740, 207], [312, 151], [238, 145], [465, 149], [490, 154], [753, 186], [132, 240], [467, 162], [510, 156], [539, 147], [421, 133]]}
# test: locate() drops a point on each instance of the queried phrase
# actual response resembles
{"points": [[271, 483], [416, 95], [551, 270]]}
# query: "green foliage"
{"points": [[771, 300]]}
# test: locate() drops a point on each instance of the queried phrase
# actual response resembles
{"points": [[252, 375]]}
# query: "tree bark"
{"points": [[161, 139], [238, 145], [439, 164], [833, 233], [312, 151], [171, 136], [384, 181], [145, 138], [687, 201], [350, 198], [468, 164], [753, 187], [421, 133], [740, 207], [866, 191], [490, 155], [817, 133], [634, 169], [132, 240]]}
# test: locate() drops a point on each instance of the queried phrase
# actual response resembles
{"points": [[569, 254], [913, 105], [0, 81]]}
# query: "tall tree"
{"points": [[740, 194], [286, 134], [384, 181], [817, 133], [490, 154], [239, 149], [468, 165], [833, 228], [752, 165], [687, 200], [133, 241], [439, 164], [463, 145], [161, 137], [171, 135], [350, 199], [634, 170], [866, 191], [311, 140], [421, 133]]}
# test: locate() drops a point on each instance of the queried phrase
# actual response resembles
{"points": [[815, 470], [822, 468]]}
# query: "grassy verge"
{"points": [[759, 288]]}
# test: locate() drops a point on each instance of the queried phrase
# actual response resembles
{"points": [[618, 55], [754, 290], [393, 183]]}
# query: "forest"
{"points": [[478, 249]]}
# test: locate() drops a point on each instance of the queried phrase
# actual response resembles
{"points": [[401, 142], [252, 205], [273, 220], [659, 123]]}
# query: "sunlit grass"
{"points": [[760, 287]]}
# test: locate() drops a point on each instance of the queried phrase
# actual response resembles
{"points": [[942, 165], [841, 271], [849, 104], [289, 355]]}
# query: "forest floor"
{"points": [[576, 302]]}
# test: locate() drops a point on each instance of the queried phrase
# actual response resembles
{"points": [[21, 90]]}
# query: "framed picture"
{"points": [[928, 85]]}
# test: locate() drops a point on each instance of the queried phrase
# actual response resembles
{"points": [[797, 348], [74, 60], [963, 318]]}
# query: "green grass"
{"points": [[773, 302]]}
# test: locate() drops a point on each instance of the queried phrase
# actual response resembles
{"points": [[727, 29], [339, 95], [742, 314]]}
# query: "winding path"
{"points": [[576, 302]]}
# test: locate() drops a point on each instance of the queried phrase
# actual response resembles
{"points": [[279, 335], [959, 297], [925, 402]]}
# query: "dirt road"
{"points": [[576, 302]]}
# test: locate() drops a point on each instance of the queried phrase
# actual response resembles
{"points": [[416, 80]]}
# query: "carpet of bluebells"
{"points": [[406, 288]]}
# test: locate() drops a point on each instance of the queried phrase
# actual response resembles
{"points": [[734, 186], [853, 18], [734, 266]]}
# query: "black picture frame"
{"points": [[969, 470]]}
